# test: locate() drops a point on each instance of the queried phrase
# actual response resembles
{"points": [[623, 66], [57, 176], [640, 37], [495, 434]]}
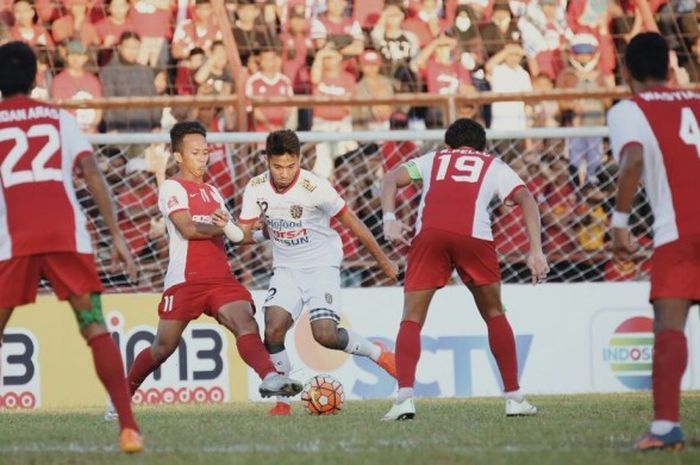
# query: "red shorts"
{"points": [[435, 253], [187, 301], [70, 274], [675, 270]]}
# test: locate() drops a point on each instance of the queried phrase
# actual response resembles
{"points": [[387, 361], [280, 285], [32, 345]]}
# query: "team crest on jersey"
{"points": [[296, 211], [329, 299], [308, 185], [172, 201], [257, 181]]}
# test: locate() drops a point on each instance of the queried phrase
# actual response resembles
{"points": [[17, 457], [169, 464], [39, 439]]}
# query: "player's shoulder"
{"points": [[309, 181], [622, 108], [258, 182], [173, 184]]}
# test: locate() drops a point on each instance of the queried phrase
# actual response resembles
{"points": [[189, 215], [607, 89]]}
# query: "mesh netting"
{"points": [[572, 179]]}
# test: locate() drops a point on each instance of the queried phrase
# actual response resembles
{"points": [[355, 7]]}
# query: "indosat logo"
{"points": [[629, 352]]}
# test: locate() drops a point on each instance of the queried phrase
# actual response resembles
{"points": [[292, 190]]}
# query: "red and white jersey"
{"points": [[192, 260], [259, 85], [298, 219], [458, 185], [39, 212], [665, 123]]}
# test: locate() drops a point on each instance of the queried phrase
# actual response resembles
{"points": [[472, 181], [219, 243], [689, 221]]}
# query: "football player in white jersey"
{"points": [[296, 207]]}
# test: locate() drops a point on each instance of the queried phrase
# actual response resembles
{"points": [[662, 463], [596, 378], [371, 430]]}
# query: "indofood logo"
{"points": [[629, 352]]}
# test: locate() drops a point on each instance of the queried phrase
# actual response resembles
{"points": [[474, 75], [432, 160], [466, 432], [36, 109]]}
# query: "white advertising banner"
{"points": [[571, 338]]}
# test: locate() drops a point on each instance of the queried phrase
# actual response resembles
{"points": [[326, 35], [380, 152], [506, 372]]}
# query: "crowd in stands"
{"points": [[368, 49]]}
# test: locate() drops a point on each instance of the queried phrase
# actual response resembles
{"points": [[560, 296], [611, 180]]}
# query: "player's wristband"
{"points": [[389, 216], [259, 236], [620, 220], [233, 232]]}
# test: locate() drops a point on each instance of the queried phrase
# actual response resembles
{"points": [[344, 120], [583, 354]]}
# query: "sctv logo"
{"points": [[456, 369], [196, 372]]}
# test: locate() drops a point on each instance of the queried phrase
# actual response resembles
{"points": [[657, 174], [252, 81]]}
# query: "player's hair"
{"points": [[281, 142], [18, 70], [647, 57], [183, 128], [466, 132]]}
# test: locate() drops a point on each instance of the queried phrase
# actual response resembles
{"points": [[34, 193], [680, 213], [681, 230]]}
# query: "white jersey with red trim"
{"points": [[458, 185], [297, 219], [199, 259], [665, 123], [39, 211]]}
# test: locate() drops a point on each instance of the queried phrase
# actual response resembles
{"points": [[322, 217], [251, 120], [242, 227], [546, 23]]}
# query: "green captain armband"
{"points": [[94, 315], [413, 171]]}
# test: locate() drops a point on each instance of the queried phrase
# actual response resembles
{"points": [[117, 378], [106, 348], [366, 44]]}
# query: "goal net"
{"points": [[569, 171]]}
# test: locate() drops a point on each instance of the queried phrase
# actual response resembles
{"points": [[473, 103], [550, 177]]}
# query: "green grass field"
{"points": [[591, 430]]}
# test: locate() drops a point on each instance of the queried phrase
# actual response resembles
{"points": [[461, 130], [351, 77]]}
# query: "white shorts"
{"points": [[315, 288]]}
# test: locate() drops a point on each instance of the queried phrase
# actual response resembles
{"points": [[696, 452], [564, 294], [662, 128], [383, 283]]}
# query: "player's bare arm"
{"points": [[631, 166], [97, 185], [358, 228], [395, 231], [192, 230], [536, 260]]}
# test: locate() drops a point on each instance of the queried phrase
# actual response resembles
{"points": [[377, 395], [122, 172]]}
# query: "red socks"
{"points": [[407, 353], [670, 361], [109, 368], [143, 366], [252, 351], [502, 344]]}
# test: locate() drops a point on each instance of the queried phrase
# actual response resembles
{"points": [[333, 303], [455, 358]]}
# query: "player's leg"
{"points": [[670, 360], [167, 340], [502, 345], [108, 365], [235, 310], [278, 321], [408, 350]]}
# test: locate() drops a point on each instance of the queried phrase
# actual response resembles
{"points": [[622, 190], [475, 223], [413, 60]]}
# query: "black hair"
{"points": [[647, 57], [183, 128], [466, 132], [18, 70], [281, 142], [126, 35], [197, 51]]}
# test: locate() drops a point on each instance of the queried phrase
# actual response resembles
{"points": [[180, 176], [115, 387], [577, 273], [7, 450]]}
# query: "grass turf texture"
{"points": [[590, 429]]}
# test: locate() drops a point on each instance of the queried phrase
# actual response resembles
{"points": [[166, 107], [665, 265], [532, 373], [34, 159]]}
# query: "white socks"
{"points": [[403, 394], [661, 427], [514, 395], [283, 366], [358, 345]]}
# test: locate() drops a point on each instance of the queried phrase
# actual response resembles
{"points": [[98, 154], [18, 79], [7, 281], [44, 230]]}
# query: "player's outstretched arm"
{"points": [[536, 260], [631, 166], [97, 185], [358, 228], [191, 230], [394, 230]]}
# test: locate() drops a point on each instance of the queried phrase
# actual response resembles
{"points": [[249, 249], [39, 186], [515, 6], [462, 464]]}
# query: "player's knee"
{"points": [[161, 350], [92, 315], [327, 337], [275, 334]]}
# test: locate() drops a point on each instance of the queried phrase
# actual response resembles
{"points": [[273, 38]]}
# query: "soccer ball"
{"points": [[323, 395]]}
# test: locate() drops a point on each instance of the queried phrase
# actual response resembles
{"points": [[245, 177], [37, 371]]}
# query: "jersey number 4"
{"points": [[39, 172], [469, 165], [690, 132]]}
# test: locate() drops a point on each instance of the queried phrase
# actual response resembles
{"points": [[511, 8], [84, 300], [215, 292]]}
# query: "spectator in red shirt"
{"points": [[269, 82], [75, 25], [153, 22], [201, 31], [138, 205], [76, 83], [297, 49], [184, 78], [332, 26], [426, 24], [25, 29], [593, 17], [442, 74], [373, 85], [115, 24], [558, 218], [329, 79]]}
